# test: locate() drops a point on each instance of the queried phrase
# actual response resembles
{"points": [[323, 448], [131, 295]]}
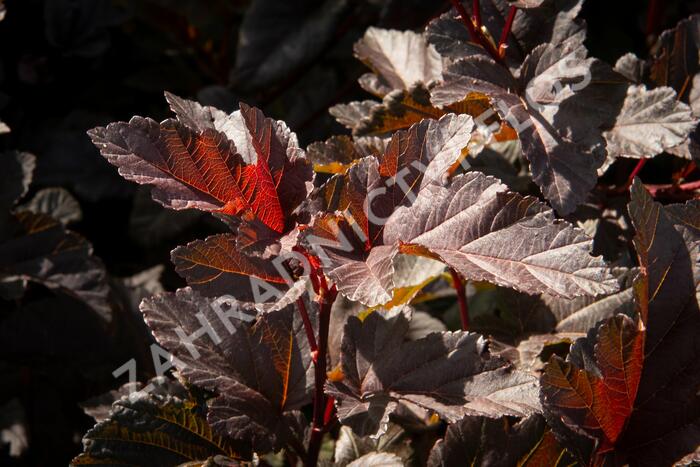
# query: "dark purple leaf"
{"points": [[261, 374], [449, 373], [37, 248]]}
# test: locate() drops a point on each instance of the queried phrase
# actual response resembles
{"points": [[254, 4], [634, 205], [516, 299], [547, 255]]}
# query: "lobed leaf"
{"points": [[595, 393], [486, 233], [38, 248], [353, 252], [661, 424], [163, 426], [649, 123], [261, 374], [564, 150], [449, 373], [244, 164], [498, 442], [665, 424]]}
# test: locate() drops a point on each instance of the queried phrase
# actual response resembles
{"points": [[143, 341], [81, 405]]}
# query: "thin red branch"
{"points": [[466, 20], [476, 13], [653, 18], [637, 168], [308, 328], [690, 186], [328, 414], [687, 170], [670, 189], [326, 299], [461, 298], [475, 33], [502, 43]]}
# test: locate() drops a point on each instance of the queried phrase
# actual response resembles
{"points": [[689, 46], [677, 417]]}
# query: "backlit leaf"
{"points": [[597, 400], [215, 266], [665, 424], [334, 155], [244, 164]]}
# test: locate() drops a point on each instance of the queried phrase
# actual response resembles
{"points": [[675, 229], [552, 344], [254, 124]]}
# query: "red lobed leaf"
{"points": [[215, 266], [600, 402], [242, 164]]}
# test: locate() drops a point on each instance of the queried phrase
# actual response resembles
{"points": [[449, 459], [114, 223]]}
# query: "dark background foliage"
{"points": [[70, 65]]}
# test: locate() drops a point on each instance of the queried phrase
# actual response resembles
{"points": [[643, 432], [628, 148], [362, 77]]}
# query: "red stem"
{"points": [[476, 13], [637, 168], [308, 328], [328, 414], [326, 299], [474, 33], [652, 17], [465, 19], [688, 170], [461, 298], [685, 187], [506, 31], [691, 186]]}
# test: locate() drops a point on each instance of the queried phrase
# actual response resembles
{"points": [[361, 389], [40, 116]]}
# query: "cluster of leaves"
{"points": [[315, 319], [77, 64]]}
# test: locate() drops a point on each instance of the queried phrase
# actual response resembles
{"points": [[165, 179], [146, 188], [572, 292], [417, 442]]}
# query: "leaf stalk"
{"points": [[476, 13], [474, 32], [458, 285], [503, 42], [321, 417], [308, 328]]}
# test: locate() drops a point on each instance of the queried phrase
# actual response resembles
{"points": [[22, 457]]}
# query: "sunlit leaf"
{"points": [[400, 59], [564, 149], [487, 233], [649, 123], [447, 373]]}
